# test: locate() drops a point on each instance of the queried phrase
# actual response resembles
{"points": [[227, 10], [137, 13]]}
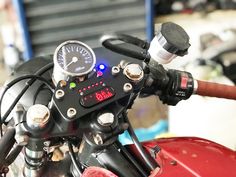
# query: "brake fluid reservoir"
{"points": [[210, 118], [170, 41]]}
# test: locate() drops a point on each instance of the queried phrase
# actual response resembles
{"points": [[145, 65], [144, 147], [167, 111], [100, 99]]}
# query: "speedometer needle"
{"points": [[74, 60]]}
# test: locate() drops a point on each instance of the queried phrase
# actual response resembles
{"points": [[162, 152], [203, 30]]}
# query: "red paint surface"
{"points": [[97, 172], [188, 157]]}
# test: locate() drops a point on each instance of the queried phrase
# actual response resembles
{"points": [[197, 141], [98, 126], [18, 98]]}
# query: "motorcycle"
{"points": [[77, 107]]}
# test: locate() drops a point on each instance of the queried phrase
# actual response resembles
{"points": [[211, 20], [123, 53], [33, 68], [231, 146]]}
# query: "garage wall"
{"points": [[52, 22]]}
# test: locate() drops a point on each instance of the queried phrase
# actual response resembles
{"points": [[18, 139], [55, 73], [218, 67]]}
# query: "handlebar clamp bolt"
{"points": [[59, 94], [115, 70], [127, 87], [71, 113]]}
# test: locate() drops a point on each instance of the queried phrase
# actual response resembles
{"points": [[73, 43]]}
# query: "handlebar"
{"points": [[204, 88]]}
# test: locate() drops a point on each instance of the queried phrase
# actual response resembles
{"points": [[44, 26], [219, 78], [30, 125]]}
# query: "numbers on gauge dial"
{"points": [[75, 58]]}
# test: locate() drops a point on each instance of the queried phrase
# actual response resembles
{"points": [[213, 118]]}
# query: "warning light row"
{"points": [[91, 86]]}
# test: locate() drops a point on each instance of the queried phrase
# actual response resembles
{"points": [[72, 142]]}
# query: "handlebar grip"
{"points": [[216, 90]]}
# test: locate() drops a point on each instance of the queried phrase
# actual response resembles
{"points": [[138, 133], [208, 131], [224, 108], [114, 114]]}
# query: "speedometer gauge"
{"points": [[72, 58]]}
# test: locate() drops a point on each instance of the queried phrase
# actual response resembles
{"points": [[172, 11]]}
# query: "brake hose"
{"points": [[146, 157]]}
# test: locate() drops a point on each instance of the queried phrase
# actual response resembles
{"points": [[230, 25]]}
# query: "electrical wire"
{"points": [[3, 93], [40, 72], [131, 158], [146, 157], [9, 85], [73, 158], [46, 82]]}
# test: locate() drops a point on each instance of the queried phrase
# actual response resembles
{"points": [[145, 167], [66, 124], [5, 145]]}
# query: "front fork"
{"points": [[34, 163], [37, 166]]}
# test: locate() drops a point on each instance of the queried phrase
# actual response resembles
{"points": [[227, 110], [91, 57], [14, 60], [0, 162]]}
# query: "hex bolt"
{"points": [[134, 72], [98, 139], [46, 149], [46, 143], [22, 140], [127, 87], [115, 70], [106, 119], [59, 94], [71, 113]]}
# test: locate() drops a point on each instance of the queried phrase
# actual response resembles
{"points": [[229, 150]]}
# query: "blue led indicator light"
{"points": [[101, 67]]}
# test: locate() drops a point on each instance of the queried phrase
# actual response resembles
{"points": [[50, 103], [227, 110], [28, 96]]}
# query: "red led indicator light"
{"points": [[96, 84], [101, 82], [80, 90], [84, 89], [92, 85], [89, 87]]}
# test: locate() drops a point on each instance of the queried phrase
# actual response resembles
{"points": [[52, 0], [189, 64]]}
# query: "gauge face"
{"points": [[74, 58]]}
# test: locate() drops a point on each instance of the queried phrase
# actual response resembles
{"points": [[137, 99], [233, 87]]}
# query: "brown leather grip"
{"points": [[216, 90]]}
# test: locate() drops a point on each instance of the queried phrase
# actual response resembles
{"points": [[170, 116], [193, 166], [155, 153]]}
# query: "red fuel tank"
{"points": [[188, 157]]}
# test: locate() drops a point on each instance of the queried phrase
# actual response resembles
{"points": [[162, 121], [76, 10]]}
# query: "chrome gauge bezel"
{"points": [[56, 64]]}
